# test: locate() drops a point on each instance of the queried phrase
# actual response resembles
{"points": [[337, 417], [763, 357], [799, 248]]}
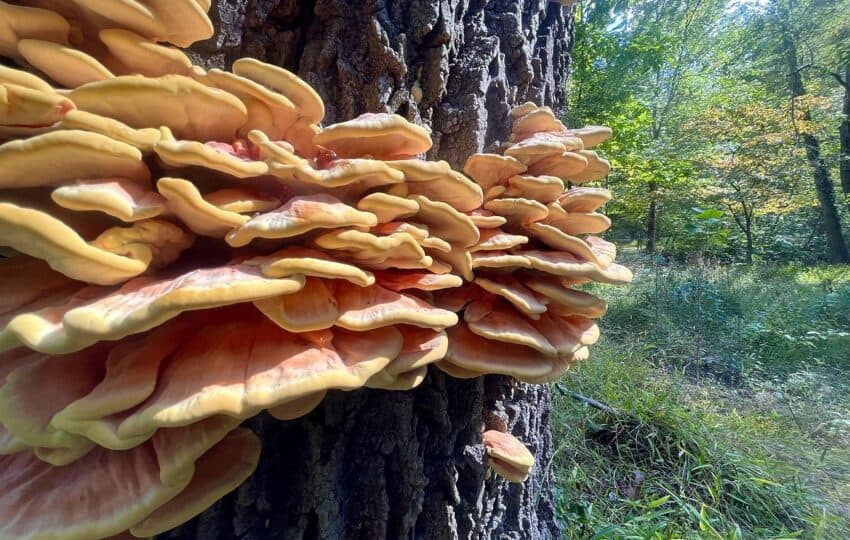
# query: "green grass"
{"points": [[733, 408]]}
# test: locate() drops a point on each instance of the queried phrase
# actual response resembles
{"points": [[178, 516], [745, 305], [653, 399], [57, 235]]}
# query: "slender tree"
{"points": [[820, 171]]}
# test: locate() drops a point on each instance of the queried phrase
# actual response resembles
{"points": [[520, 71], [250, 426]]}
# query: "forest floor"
{"points": [[729, 389]]}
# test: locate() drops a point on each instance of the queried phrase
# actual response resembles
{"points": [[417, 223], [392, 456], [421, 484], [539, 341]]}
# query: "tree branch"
{"points": [[589, 401]]}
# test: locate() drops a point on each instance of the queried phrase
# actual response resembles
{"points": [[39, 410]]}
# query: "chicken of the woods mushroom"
{"points": [[184, 249]]}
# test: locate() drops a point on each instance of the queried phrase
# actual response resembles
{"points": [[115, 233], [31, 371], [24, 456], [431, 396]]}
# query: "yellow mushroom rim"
{"points": [[67, 66], [298, 216], [376, 135], [306, 100], [20, 22], [141, 55], [489, 170], [190, 109], [35, 161], [23, 106]]}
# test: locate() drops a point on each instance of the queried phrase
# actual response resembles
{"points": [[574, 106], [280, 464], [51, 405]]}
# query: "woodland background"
{"points": [[718, 404]]}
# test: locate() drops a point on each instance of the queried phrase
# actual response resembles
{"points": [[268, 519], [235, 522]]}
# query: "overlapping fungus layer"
{"points": [[521, 314], [188, 248]]}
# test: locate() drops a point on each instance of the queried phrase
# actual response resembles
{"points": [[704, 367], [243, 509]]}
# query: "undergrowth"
{"points": [[731, 408]]}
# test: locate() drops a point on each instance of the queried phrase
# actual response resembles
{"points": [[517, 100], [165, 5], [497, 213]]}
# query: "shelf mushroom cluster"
{"points": [[521, 314], [187, 248]]}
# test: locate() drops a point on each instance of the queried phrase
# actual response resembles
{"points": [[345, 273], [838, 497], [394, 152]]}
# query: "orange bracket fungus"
{"points": [[186, 249]]}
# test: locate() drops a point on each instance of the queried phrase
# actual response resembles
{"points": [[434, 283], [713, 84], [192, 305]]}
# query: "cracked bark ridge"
{"points": [[385, 465], [458, 66], [373, 464]]}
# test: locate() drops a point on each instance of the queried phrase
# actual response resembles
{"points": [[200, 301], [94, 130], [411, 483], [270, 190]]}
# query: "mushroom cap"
{"points": [[144, 139], [600, 253], [366, 308], [190, 109], [437, 181], [568, 301], [33, 162], [489, 170], [407, 380], [124, 199], [298, 216], [499, 259], [533, 149], [460, 260], [275, 151], [597, 168], [218, 472], [22, 78], [312, 308], [485, 219], [518, 212], [583, 199], [388, 207], [498, 240], [592, 135], [27, 413], [544, 189], [422, 346], [156, 242], [474, 353], [509, 458], [104, 492], [23, 106], [423, 281], [573, 223], [306, 100], [565, 264], [301, 134], [521, 110], [242, 200], [141, 55], [67, 66], [362, 245], [201, 216], [344, 178], [193, 153], [296, 260], [298, 407], [445, 222], [128, 377], [567, 165], [539, 119], [378, 135], [513, 290], [497, 320], [26, 282], [42, 236], [21, 22], [94, 314], [250, 364], [269, 111]]}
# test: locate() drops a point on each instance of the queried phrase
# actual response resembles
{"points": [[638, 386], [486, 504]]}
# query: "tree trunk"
{"points": [[652, 218], [844, 138], [823, 183], [374, 464]]}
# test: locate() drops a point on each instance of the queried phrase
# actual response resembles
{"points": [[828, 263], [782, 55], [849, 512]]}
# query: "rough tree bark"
{"points": [[844, 136], [831, 219], [374, 464]]}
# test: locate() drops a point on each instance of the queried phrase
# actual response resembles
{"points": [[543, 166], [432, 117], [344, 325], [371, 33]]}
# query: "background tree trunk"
{"points": [[823, 183], [373, 464]]}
